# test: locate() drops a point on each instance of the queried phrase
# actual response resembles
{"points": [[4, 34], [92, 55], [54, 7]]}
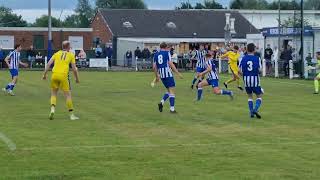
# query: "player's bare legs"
{"points": [[69, 104], [235, 77], [316, 84]]}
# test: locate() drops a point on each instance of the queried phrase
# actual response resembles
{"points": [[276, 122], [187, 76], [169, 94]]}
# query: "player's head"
{"points": [[251, 48], [163, 45], [18, 47], [66, 45], [208, 56], [201, 47], [235, 48]]}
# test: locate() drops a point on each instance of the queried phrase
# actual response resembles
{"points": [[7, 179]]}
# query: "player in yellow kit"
{"points": [[233, 57], [60, 77], [317, 78]]}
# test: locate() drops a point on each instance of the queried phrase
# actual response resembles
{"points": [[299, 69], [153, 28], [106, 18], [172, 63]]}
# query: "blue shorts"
{"points": [[200, 70], [213, 82], [168, 82], [255, 90], [14, 72]]}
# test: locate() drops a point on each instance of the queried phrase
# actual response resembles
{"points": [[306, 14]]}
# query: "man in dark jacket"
{"points": [[108, 52], [286, 56], [137, 53], [128, 58], [268, 52], [146, 54]]}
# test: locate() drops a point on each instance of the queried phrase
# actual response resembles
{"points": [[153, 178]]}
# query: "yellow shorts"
{"points": [[234, 69], [60, 81]]}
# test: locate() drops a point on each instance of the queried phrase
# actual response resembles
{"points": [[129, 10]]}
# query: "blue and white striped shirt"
{"points": [[14, 60], [250, 66], [212, 75], [200, 56], [162, 59]]}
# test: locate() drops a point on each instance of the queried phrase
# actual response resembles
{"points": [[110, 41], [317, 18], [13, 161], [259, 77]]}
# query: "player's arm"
{"points": [[209, 68], [155, 70], [7, 60], [75, 72], [224, 56], [173, 67], [44, 77], [23, 64]]}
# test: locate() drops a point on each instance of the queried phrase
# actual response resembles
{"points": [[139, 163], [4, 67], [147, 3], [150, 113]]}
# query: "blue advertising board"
{"points": [[290, 31]]}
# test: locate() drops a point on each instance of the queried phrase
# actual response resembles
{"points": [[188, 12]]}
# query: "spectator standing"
{"points": [[128, 58], [98, 51], [174, 58], [108, 51], [268, 52], [31, 54], [137, 53], [1, 57], [286, 56], [146, 54]]}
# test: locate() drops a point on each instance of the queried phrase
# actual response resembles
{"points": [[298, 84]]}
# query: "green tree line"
{"points": [[84, 11]]}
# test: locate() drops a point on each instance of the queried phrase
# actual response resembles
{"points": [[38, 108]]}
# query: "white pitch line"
{"points": [[8, 142], [165, 145]]}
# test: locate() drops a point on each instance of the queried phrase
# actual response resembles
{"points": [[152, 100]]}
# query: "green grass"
{"points": [[121, 134]]}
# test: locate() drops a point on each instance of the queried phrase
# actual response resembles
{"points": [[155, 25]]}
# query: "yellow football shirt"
{"points": [[233, 58], [62, 60]]}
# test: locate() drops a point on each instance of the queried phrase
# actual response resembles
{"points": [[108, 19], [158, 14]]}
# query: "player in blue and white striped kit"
{"points": [[201, 65], [163, 67], [250, 68], [212, 79], [13, 62]]}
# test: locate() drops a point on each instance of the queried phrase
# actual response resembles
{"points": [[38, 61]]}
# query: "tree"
{"points": [[285, 5], [295, 22], [212, 4], [237, 4], [121, 4], [199, 6], [84, 13], [9, 19], [186, 5], [72, 21], [44, 20], [312, 4]]}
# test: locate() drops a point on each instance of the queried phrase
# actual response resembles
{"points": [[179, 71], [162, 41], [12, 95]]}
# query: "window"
{"points": [[38, 42]]}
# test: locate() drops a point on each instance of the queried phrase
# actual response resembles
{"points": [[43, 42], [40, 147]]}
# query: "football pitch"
{"points": [[122, 136]]}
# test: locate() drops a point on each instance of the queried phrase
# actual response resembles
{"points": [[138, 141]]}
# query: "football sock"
{"points": [[11, 87], [225, 92], [199, 93], [250, 103], [258, 104], [194, 80], [229, 81], [69, 105], [172, 99], [8, 86], [165, 97], [238, 82], [316, 86], [53, 100]]}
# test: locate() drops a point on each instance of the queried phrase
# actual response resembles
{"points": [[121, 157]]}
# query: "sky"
{"points": [[31, 9]]}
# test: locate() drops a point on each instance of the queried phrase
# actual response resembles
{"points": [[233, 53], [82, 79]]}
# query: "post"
{"points": [[276, 68], [220, 66], [49, 30], [264, 68], [45, 61], [306, 69], [107, 67], [302, 38], [136, 63], [279, 30], [290, 69]]}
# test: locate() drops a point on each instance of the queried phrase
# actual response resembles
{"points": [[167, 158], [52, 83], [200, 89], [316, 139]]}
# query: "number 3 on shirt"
{"points": [[160, 59], [250, 65]]}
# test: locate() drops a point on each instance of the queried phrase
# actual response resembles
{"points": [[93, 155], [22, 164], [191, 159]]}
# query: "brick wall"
{"points": [[100, 29], [25, 38]]}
